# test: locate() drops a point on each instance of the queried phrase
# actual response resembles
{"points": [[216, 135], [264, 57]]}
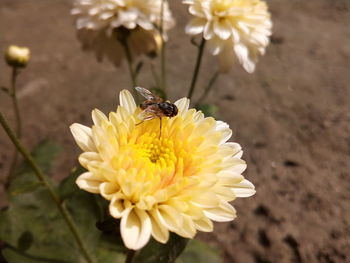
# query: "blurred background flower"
{"points": [[104, 25], [232, 27]]}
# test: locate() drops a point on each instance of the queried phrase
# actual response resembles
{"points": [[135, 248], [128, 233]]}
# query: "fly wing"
{"points": [[149, 95], [147, 114]]}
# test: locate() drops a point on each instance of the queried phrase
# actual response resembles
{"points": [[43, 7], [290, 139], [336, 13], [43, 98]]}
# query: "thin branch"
{"points": [[196, 69], [13, 94], [162, 49], [130, 61], [209, 86], [130, 256]]}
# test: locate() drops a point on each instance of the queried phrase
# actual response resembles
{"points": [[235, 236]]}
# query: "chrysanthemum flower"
{"points": [[240, 27], [179, 180], [100, 23]]}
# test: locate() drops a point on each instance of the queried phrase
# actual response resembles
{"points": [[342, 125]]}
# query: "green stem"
{"points": [[15, 102], [209, 87], [162, 49], [13, 94], [132, 72], [155, 75], [41, 177], [197, 67], [130, 256]]}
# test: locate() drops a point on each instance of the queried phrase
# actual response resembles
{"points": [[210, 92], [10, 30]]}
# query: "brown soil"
{"points": [[291, 117]]}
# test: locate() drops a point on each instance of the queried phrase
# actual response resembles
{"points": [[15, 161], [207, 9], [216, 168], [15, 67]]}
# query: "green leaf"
{"points": [[25, 241], [108, 225], [155, 252], [44, 154], [12, 255], [24, 179], [35, 211], [197, 251], [112, 242], [33, 229], [108, 256], [32, 209], [209, 110], [68, 186]]}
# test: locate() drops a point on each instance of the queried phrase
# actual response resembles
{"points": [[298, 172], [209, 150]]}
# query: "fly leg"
{"points": [[160, 127], [139, 123]]}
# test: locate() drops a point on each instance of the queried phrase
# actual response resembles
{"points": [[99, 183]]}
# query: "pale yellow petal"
{"points": [[83, 137], [117, 206], [187, 228], [87, 157], [159, 231], [98, 117], [127, 101], [135, 228], [108, 190], [244, 189], [204, 224], [168, 217], [89, 182], [182, 105], [224, 213]]}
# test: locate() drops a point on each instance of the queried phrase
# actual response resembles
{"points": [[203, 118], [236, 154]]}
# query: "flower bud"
{"points": [[17, 56], [155, 46]]}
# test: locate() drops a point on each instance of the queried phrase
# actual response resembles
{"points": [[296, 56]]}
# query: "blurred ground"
{"points": [[291, 117]]}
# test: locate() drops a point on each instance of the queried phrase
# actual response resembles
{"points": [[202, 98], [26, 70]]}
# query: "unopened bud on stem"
{"points": [[17, 56]]}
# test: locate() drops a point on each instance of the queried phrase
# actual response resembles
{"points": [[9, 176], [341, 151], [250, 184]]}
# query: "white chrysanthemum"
{"points": [[240, 27], [100, 23], [179, 182]]}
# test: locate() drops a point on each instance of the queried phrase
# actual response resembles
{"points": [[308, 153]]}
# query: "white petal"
{"points": [[168, 217], [83, 137], [87, 157], [188, 228], [116, 207], [229, 178], [206, 200], [127, 101], [234, 165], [108, 190], [215, 45], [224, 213], [243, 57], [244, 189], [226, 58], [222, 29], [224, 128], [159, 231], [98, 117], [204, 224], [237, 148], [182, 105], [208, 31], [135, 228], [89, 182], [195, 26]]}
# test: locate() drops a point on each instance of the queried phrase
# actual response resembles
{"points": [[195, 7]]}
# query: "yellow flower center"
{"points": [[159, 151]]}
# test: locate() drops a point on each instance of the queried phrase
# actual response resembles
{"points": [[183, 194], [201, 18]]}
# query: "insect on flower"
{"points": [[155, 107]]}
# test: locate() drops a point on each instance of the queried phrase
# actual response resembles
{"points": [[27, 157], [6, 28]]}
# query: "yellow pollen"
{"points": [[159, 151]]}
